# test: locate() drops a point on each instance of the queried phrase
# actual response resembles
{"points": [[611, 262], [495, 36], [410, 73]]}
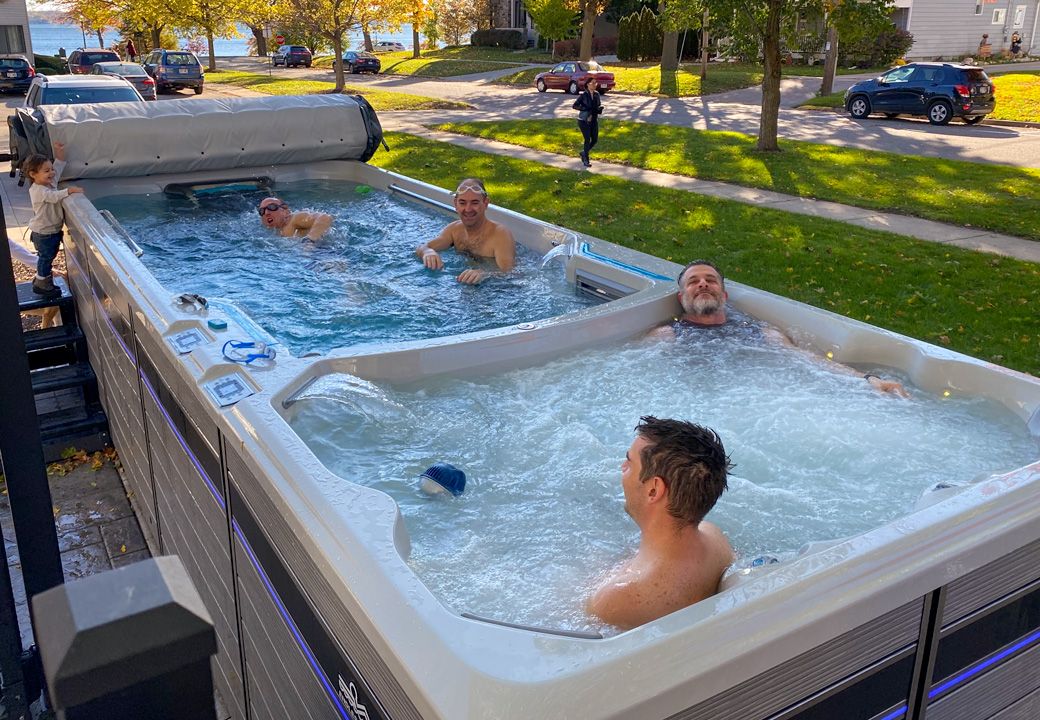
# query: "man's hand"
{"points": [[432, 259], [470, 277]]}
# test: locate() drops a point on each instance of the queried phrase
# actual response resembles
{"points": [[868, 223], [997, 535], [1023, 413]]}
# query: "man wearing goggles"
{"points": [[276, 215], [473, 234]]}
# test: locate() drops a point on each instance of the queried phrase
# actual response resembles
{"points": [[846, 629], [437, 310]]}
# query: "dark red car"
{"points": [[82, 59], [572, 76]]}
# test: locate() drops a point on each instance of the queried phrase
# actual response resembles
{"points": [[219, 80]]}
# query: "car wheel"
{"points": [[198, 90], [573, 88], [859, 107], [939, 113], [891, 116], [974, 119], [307, 65], [540, 85], [353, 69]]}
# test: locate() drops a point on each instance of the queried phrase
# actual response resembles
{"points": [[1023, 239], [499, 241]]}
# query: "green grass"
{"points": [[451, 61], [995, 197], [1018, 96], [976, 303], [651, 80], [380, 99], [437, 67], [834, 100]]}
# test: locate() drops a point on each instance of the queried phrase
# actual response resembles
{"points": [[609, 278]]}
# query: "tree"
{"points": [[589, 10], [92, 15], [676, 15], [328, 20], [451, 19], [554, 19], [212, 18]]}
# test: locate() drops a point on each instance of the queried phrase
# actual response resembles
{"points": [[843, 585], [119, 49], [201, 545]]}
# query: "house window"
{"points": [[1020, 16], [978, 7], [998, 16], [12, 39]]}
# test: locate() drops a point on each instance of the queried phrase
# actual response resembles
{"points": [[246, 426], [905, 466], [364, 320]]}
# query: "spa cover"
{"points": [[132, 139]]}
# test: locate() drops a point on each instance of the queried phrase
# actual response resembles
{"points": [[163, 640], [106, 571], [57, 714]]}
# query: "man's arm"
{"points": [[504, 249], [427, 251], [315, 224]]}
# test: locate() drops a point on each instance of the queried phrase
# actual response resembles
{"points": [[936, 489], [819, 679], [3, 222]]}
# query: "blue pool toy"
{"points": [[442, 477]]}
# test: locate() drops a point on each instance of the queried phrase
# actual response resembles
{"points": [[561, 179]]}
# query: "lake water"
{"points": [[47, 37]]}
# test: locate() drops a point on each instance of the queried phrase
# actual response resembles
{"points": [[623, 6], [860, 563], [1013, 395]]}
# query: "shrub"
{"points": [[876, 51], [499, 37], [639, 36], [48, 65], [566, 49]]}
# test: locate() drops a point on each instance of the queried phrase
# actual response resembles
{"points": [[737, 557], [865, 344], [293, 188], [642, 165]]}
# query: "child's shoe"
{"points": [[47, 288]]}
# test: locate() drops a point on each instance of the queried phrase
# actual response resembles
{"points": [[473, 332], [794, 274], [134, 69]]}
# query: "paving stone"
{"points": [[83, 481], [84, 561], [122, 536], [129, 558], [92, 509], [78, 537]]}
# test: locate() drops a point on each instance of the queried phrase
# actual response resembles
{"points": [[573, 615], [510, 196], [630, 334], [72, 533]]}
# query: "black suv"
{"points": [[939, 91]]}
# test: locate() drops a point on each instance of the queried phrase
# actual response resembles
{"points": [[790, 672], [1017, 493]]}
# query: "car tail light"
{"points": [[148, 81], [962, 90], [32, 73]]}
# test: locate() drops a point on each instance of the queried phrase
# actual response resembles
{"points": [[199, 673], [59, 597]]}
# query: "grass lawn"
{"points": [[999, 198], [438, 67], [380, 99], [645, 79], [978, 304], [1018, 97]]}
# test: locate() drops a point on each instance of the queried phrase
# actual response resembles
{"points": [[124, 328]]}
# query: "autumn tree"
{"points": [[554, 19], [92, 15], [589, 11], [328, 19], [454, 18]]}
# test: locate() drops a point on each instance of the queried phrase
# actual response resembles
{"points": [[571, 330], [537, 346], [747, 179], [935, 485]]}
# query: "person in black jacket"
{"points": [[590, 107]]}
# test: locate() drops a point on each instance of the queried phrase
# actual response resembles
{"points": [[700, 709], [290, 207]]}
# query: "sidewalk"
{"points": [[928, 230]]}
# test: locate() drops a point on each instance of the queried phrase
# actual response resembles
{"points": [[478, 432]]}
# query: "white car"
{"points": [[388, 46]]}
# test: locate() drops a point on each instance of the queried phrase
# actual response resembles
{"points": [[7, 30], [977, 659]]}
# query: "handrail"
{"points": [[417, 196], [111, 220]]}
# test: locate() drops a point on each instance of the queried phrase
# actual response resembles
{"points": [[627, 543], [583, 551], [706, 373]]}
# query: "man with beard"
{"points": [[672, 475], [473, 234], [702, 294]]}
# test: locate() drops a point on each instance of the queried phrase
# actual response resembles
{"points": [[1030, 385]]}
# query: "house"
{"points": [[953, 29], [14, 28], [512, 14]]}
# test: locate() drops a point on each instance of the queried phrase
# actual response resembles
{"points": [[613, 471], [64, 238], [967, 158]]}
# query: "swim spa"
{"points": [[318, 612]]}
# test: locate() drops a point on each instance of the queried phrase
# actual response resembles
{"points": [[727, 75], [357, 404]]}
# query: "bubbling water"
{"points": [[819, 455], [360, 283]]}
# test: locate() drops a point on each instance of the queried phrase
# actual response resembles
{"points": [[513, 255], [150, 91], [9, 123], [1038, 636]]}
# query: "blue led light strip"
{"points": [[972, 671], [311, 660], [624, 266], [315, 668], [897, 713]]}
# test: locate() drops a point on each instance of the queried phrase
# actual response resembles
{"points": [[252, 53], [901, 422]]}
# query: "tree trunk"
{"points": [[704, 46], [415, 40], [212, 51], [669, 51], [100, 38], [154, 32], [830, 65], [368, 37], [767, 123], [588, 22], [337, 50], [260, 38]]}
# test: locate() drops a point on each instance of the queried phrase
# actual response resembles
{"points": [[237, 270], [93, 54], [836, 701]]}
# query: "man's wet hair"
{"points": [[471, 184], [690, 459], [709, 263]]}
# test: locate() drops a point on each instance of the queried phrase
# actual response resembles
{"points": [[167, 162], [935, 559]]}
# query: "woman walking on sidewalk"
{"points": [[590, 108]]}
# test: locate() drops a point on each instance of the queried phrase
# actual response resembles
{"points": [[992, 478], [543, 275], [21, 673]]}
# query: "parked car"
{"points": [[81, 60], [359, 62], [291, 56], [938, 91], [16, 73], [175, 69], [573, 76], [75, 89], [388, 46], [132, 73]]}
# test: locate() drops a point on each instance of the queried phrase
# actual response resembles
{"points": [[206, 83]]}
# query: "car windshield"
{"points": [[77, 95], [366, 55], [91, 58], [13, 63], [180, 59], [591, 66], [298, 49], [976, 75], [124, 69]]}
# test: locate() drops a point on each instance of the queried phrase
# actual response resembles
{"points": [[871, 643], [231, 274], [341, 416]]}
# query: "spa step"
{"points": [[28, 300], [82, 428], [62, 378], [59, 345]]}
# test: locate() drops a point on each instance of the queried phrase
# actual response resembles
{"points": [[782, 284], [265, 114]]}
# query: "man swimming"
{"points": [[672, 475], [473, 234], [275, 214], [702, 294]]}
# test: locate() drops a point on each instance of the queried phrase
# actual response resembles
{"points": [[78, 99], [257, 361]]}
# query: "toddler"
{"points": [[48, 215]]}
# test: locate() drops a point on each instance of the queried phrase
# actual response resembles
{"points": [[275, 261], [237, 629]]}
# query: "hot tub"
{"points": [[318, 613]]}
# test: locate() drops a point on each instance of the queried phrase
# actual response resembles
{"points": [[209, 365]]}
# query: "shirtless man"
{"points": [[472, 234], [702, 294], [671, 477], [276, 215]]}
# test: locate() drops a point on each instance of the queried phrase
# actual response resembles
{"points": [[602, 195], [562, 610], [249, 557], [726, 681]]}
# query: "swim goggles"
{"points": [[469, 188], [270, 207], [245, 352]]}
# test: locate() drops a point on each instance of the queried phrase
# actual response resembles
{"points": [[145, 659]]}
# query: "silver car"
{"points": [[132, 72]]}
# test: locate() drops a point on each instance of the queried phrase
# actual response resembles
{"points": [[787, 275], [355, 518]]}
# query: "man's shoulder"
{"points": [[500, 232]]}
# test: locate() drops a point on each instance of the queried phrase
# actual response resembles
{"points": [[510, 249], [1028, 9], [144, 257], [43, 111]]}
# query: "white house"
{"points": [[14, 28], [953, 29]]}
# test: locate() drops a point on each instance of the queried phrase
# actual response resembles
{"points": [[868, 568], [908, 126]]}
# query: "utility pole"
{"points": [[704, 44], [830, 64]]}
